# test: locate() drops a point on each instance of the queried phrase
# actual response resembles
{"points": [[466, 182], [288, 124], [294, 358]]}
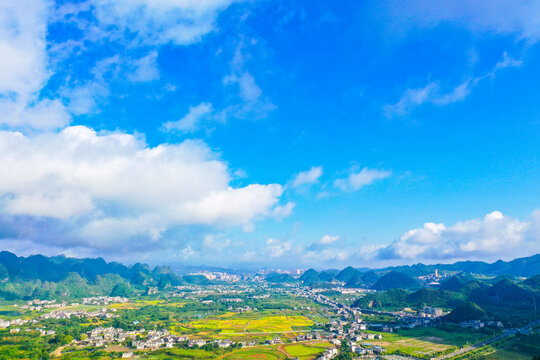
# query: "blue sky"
{"points": [[270, 133]]}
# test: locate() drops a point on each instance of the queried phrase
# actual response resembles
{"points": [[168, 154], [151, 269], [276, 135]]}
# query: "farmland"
{"points": [[253, 323]]}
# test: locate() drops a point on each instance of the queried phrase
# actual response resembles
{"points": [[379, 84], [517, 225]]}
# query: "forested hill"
{"points": [[38, 276], [39, 267], [527, 266]]}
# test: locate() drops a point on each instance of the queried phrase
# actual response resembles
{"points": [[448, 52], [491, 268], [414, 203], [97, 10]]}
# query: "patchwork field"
{"points": [[252, 323], [427, 340], [304, 351], [515, 348]]}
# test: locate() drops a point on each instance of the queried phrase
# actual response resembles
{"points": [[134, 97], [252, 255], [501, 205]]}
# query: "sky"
{"points": [[270, 133]]}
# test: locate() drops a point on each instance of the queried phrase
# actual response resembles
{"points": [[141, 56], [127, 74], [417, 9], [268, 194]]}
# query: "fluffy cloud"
{"points": [[276, 248], [136, 26], [283, 211], [357, 180], [308, 177], [493, 236], [23, 27], [328, 239], [24, 67], [116, 188]]}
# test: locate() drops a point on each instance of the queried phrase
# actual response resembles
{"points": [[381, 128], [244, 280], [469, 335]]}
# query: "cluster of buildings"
{"points": [[153, 339], [63, 314], [431, 312], [274, 341], [328, 354], [147, 340], [432, 280], [18, 322], [242, 309], [221, 276], [15, 322], [104, 300], [293, 272], [478, 324], [366, 349], [231, 300], [39, 305], [156, 339], [307, 337]]}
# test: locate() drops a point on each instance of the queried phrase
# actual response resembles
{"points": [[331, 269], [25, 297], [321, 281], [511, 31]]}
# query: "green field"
{"points": [[428, 341], [181, 354], [255, 354], [304, 351], [516, 348]]}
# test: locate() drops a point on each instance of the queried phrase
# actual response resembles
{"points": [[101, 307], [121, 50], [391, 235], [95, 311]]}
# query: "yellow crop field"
{"points": [[249, 325], [127, 306], [151, 302]]}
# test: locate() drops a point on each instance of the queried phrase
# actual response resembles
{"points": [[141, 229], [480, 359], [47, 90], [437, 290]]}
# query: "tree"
{"points": [[121, 289]]}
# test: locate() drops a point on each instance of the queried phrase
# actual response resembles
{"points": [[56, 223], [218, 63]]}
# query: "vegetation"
{"points": [[395, 280]]}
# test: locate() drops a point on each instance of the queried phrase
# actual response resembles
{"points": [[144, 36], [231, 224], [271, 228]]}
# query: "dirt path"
{"points": [[58, 351], [282, 350]]}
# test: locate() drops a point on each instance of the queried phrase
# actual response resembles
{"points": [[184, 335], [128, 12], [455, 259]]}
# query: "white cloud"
{"points": [[431, 93], [326, 256], [328, 239], [249, 90], [519, 17], [357, 180], [37, 114], [506, 62], [191, 121], [276, 248], [132, 25], [410, 99], [188, 252], [282, 211], [428, 94], [493, 236], [24, 67], [84, 98], [308, 177], [23, 64], [214, 243], [253, 104], [116, 187], [145, 68], [161, 21]]}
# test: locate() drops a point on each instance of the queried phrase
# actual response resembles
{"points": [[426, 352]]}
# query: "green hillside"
{"points": [[396, 279], [466, 311]]}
